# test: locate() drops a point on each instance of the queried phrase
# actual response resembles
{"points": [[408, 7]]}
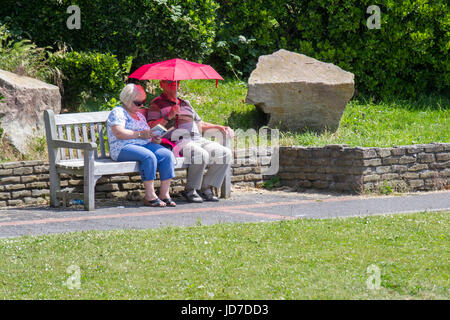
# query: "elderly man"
{"points": [[199, 152]]}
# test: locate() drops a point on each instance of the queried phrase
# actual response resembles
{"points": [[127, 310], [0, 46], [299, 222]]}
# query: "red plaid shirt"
{"points": [[161, 106]]}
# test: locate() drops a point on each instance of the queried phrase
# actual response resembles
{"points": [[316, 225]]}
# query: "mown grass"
{"points": [[300, 259]]}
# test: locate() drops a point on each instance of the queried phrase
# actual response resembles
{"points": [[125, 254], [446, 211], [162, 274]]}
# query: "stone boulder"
{"points": [[299, 92], [21, 110]]}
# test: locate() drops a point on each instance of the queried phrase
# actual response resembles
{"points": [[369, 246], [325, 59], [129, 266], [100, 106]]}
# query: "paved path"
{"points": [[242, 207]]}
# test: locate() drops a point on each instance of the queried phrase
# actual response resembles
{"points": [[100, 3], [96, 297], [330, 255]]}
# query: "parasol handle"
{"points": [[176, 102]]}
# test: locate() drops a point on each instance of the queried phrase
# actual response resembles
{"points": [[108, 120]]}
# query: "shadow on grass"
{"points": [[252, 119]]}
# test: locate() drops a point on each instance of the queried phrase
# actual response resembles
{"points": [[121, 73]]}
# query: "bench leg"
{"points": [[89, 181], [54, 187], [225, 190]]}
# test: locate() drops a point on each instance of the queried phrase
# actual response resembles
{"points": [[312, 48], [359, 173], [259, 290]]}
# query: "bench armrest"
{"points": [[74, 145]]}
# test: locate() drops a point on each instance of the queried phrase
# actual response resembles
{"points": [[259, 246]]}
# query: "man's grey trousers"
{"points": [[200, 153]]}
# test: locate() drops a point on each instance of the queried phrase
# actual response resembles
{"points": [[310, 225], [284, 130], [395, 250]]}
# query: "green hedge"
{"points": [[89, 78], [408, 55], [149, 30]]}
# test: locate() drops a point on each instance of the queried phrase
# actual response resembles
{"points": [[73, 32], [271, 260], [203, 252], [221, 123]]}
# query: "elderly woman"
{"points": [[130, 139]]}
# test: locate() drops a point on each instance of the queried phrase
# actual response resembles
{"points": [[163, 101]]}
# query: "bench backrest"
{"points": [[78, 127]]}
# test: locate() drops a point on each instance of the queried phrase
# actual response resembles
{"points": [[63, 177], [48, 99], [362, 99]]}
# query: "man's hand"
{"points": [[226, 130], [204, 126], [174, 111], [229, 131]]}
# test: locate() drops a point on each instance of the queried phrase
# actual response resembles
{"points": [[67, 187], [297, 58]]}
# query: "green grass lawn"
{"points": [[300, 259], [364, 123]]}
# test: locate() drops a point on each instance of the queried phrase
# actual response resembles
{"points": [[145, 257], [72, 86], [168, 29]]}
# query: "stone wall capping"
{"points": [[338, 147], [296, 147], [398, 151], [383, 152]]}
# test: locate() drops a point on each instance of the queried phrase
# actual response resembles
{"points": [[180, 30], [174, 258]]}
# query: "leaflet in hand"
{"points": [[159, 130]]}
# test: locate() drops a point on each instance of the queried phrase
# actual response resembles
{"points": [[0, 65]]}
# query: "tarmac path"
{"points": [[243, 206]]}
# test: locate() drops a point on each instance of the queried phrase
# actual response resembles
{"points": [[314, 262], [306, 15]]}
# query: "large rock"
{"points": [[299, 92], [21, 110]]}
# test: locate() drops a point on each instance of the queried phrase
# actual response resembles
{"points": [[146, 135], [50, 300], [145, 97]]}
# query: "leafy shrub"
{"points": [[150, 30], [90, 79], [408, 55], [246, 29], [24, 57]]}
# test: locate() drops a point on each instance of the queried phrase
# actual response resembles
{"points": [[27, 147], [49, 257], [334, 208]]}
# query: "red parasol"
{"points": [[175, 69]]}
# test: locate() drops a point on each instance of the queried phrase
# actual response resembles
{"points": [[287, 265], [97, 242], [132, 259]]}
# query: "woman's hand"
{"points": [[145, 134], [156, 139], [148, 134]]}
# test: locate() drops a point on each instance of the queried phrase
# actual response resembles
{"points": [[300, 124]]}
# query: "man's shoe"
{"points": [[208, 195], [193, 197]]}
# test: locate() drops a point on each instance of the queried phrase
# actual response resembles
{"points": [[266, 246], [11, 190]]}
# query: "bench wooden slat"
{"points": [[101, 138], [69, 137], [62, 151], [108, 166], [83, 117], [85, 134], [77, 138], [93, 137]]}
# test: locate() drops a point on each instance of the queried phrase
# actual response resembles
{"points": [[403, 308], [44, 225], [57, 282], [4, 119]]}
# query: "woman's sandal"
{"points": [[169, 202], [154, 203]]}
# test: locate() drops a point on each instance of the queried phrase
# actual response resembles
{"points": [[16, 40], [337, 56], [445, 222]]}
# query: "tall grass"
{"points": [[25, 58], [385, 124], [365, 122]]}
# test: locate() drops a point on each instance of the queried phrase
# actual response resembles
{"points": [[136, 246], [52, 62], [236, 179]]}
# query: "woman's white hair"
{"points": [[130, 92]]}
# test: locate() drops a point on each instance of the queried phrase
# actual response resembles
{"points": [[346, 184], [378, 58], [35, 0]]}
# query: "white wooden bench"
{"points": [[77, 144]]}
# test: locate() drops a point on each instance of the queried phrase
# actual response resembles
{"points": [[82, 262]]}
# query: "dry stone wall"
{"points": [[341, 168], [333, 167], [27, 182]]}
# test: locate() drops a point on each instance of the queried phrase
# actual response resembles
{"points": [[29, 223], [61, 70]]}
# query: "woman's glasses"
{"points": [[139, 103], [170, 81]]}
